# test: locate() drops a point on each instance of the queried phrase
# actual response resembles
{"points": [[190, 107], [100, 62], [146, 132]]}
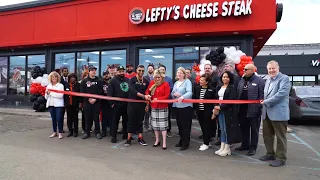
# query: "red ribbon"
{"points": [[156, 101]]}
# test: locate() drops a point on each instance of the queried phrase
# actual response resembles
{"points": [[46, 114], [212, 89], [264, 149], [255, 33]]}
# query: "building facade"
{"points": [[300, 62], [75, 34]]}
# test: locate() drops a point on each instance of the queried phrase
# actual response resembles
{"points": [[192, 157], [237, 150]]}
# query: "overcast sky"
{"points": [[298, 25]]}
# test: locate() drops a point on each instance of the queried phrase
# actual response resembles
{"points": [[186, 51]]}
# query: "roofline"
{"points": [[290, 45], [30, 4]]}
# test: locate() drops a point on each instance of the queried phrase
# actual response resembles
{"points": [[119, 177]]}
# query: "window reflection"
{"points": [[34, 60], [65, 60], [3, 75], [17, 75], [113, 57], [157, 56], [84, 59], [186, 53]]}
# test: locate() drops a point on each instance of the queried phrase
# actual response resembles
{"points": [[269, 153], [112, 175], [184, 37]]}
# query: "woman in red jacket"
{"points": [[159, 90]]}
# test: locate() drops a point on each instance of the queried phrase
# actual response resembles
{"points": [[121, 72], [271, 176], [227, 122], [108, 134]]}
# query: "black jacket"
{"points": [[105, 86], [255, 92], [230, 112], [136, 87], [210, 94], [118, 87], [62, 81], [91, 86], [75, 99]]}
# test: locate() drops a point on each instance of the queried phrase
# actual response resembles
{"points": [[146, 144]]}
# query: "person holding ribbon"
{"points": [[204, 110], [55, 103], [136, 110], [228, 115], [182, 89], [159, 90]]}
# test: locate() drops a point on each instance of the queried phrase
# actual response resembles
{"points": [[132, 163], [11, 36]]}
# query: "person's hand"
{"points": [[147, 97], [217, 108], [48, 92], [93, 101], [262, 102], [180, 99], [112, 105], [176, 94], [155, 99], [146, 108]]}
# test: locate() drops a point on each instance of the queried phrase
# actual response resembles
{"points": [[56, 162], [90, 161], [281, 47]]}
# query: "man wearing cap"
{"points": [[130, 74], [105, 106], [136, 110], [91, 85], [119, 87]]}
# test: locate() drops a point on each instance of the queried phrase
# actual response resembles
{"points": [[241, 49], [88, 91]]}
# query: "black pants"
{"points": [[169, 117], [208, 126], [250, 131], [136, 112], [72, 118], [106, 116], [119, 110], [83, 120], [184, 121], [92, 112]]}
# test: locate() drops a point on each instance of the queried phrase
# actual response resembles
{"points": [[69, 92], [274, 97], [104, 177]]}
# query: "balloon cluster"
{"points": [[244, 60], [216, 57], [39, 82]]}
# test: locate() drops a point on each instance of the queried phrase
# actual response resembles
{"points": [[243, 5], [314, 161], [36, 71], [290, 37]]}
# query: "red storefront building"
{"points": [[78, 33]]}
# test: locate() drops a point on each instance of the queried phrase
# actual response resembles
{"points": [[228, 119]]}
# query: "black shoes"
{"points": [[103, 134], [85, 136], [201, 137], [241, 148], [75, 134], [178, 145], [156, 145], [113, 139], [267, 157], [124, 136], [182, 148], [164, 148], [277, 163], [128, 143], [251, 152], [70, 134], [142, 142], [98, 136]]}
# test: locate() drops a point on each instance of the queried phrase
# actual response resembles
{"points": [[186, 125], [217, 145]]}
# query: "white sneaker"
{"points": [[203, 147], [226, 151], [221, 148]]}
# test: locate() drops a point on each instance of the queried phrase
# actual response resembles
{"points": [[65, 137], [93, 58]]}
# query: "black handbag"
{"points": [[234, 134]]}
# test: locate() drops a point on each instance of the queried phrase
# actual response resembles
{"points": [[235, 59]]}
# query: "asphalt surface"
{"points": [[27, 153]]}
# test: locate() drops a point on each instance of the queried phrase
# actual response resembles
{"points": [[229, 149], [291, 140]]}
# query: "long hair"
{"points": [[54, 74]]}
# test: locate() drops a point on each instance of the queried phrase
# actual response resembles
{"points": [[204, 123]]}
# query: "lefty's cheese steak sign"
{"points": [[194, 11]]}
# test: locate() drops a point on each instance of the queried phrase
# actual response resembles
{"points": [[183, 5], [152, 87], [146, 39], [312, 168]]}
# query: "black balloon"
{"points": [[223, 56], [42, 107], [36, 105], [33, 98], [220, 50], [43, 70], [41, 100]]}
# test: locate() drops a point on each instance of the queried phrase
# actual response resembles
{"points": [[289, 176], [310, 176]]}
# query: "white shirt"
{"points": [[221, 93], [55, 99]]}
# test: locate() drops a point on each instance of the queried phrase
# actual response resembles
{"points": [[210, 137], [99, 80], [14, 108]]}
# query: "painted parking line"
{"points": [[314, 159], [305, 144], [117, 145]]}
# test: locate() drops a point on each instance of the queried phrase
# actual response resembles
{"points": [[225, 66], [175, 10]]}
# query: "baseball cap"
{"points": [[90, 68], [105, 72], [120, 68]]}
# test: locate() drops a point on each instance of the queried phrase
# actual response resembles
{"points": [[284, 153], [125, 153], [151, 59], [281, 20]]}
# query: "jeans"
{"points": [[223, 129], [57, 118]]}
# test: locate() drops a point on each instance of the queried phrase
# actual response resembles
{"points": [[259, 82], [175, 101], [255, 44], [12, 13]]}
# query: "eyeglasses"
{"points": [[246, 69], [140, 70]]}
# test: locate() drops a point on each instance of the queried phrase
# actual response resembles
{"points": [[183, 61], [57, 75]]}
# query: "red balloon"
{"points": [[240, 67], [241, 73], [33, 90], [243, 58], [249, 58]]}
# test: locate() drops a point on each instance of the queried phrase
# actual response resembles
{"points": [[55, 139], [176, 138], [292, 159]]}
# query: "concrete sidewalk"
{"points": [[23, 112]]}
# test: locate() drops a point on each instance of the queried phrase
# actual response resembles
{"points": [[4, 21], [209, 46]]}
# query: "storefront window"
{"points": [[34, 60], [157, 56], [113, 57], [3, 75], [17, 75], [84, 59], [65, 60], [297, 78], [186, 53]]}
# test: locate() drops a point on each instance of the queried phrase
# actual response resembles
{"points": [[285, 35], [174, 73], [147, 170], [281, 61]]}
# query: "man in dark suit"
{"points": [[250, 87], [64, 76]]}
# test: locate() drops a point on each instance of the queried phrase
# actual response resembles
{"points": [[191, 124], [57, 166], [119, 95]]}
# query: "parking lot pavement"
{"points": [[26, 153]]}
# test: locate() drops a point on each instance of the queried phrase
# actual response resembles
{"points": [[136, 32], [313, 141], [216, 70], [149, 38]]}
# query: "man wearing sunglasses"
{"points": [[136, 110], [250, 87]]}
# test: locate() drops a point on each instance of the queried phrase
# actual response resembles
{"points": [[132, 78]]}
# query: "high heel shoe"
{"points": [[156, 145], [164, 148]]}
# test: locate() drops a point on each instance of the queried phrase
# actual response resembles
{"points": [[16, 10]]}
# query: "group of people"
{"points": [[230, 123]]}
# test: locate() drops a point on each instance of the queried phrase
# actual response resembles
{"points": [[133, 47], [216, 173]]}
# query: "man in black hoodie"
{"points": [[119, 87], [92, 85], [105, 106]]}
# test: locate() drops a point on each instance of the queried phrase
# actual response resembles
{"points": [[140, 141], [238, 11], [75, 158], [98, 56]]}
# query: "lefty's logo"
{"points": [[315, 63], [124, 86], [136, 15]]}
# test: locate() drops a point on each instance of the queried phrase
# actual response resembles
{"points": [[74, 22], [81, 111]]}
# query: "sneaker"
{"points": [[169, 135], [128, 143], [203, 147], [142, 142]]}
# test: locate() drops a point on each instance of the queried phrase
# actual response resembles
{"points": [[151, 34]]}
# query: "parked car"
{"points": [[304, 103]]}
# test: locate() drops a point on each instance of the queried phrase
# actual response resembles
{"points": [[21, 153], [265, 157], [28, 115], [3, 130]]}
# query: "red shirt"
{"points": [[162, 92], [129, 76]]}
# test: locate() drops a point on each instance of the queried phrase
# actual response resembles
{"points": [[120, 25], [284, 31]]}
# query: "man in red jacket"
{"points": [[130, 74]]}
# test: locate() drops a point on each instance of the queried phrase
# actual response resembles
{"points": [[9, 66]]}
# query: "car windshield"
{"points": [[308, 92]]}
